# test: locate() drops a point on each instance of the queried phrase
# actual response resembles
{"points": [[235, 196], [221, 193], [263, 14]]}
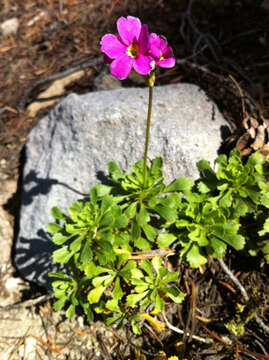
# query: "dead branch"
{"points": [[60, 75]]}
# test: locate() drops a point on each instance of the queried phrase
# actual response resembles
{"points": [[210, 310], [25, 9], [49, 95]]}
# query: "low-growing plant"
{"points": [[115, 246]]}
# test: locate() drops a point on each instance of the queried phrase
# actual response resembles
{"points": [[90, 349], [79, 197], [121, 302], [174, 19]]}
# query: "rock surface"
{"points": [[68, 150]]}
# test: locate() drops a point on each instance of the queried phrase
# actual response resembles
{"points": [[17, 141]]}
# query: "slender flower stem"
{"points": [[151, 81]]}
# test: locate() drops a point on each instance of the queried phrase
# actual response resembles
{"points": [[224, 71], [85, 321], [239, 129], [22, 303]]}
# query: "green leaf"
{"points": [[107, 203], [219, 247], [59, 304], [117, 292], [146, 265], [159, 305], [99, 191], [171, 277], [62, 255], [71, 228], [204, 167], [121, 221], [136, 329], [165, 240], [131, 210], [203, 187], [142, 244], [75, 246], [114, 171], [92, 270], [169, 214], [195, 257], [156, 263], [208, 180], [60, 239], [140, 288], [113, 305], [255, 159], [265, 249], [111, 320], [60, 275], [70, 312], [135, 231], [58, 214], [181, 184], [87, 310], [150, 232], [226, 200], [107, 220], [76, 208], [182, 223], [235, 240], [136, 273], [142, 217], [265, 199], [133, 299], [240, 208], [86, 253], [125, 272], [157, 165], [265, 229], [99, 280], [175, 294], [53, 228], [95, 294]]}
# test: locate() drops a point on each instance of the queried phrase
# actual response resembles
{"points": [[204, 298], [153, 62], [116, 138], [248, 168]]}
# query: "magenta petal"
{"points": [[129, 29], [162, 44], [154, 45], [142, 64], [155, 51], [152, 38], [111, 46], [167, 63], [122, 66], [143, 39], [168, 53]]}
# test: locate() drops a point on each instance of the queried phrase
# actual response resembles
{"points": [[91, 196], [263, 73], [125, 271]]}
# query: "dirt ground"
{"points": [[58, 40]]}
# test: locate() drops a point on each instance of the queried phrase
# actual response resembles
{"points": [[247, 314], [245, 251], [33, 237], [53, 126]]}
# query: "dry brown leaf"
{"points": [[57, 88]]}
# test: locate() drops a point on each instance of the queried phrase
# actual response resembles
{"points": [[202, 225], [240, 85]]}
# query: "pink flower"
{"points": [[160, 51], [128, 51]]}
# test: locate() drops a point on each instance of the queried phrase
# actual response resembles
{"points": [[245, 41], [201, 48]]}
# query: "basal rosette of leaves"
{"points": [[105, 241], [243, 192], [152, 286], [100, 237], [150, 205], [226, 207]]}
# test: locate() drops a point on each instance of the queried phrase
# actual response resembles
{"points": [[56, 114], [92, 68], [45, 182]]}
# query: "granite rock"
{"points": [[68, 150]]}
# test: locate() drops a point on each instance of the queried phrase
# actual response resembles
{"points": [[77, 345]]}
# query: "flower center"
{"points": [[161, 56], [133, 51]]}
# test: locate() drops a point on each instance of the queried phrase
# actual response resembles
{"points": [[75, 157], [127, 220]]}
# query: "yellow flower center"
{"points": [[133, 51], [161, 56]]}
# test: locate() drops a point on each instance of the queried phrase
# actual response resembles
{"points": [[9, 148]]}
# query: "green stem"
{"points": [[147, 133]]}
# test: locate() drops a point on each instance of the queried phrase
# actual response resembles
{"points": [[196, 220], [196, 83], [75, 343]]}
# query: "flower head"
{"points": [[160, 51], [129, 50]]}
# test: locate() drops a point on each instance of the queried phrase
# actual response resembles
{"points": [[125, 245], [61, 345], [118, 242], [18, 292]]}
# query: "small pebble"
{"points": [[9, 27]]}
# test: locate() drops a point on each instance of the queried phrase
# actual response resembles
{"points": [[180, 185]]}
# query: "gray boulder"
{"points": [[68, 150]]}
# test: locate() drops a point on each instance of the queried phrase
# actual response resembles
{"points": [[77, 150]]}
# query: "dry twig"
{"points": [[179, 331], [225, 268]]}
